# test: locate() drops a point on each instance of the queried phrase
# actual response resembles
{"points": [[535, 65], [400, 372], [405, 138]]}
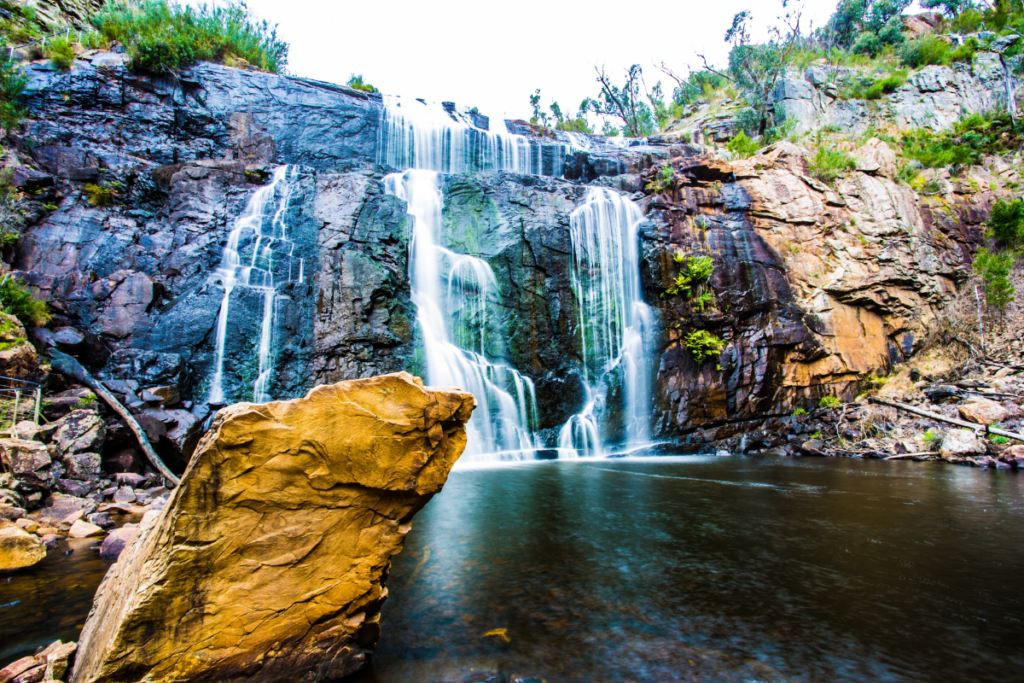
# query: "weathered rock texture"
{"points": [[936, 97], [815, 287], [18, 549], [268, 563]]}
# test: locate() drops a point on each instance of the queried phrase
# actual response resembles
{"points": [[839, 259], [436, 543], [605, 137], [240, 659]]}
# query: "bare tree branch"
{"points": [[609, 92], [707, 67], [671, 74]]}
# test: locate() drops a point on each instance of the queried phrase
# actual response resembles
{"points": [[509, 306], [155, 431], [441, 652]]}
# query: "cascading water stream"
{"points": [[417, 134], [259, 256], [452, 293], [615, 324]]}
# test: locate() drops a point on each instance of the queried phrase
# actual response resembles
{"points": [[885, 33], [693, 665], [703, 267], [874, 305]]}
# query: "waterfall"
{"points": [[259, 256], [417, 134], [615, 325], [453, 294]]}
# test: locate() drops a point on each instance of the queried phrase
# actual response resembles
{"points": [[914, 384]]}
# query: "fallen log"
{"points": [[66, 365], [910, 455], [948, 420]]}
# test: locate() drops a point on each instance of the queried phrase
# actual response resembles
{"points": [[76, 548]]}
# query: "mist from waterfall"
{"points": [[615, 325], [455, 295], [258, 256]]}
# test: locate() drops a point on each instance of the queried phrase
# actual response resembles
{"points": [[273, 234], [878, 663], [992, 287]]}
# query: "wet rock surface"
{"points": [[286, 520], [816, 287]]}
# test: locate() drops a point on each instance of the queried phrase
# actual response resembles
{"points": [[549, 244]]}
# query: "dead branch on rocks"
{"points": [[949, 420], [66, 365]]}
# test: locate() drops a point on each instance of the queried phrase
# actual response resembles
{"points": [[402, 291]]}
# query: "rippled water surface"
{"points": [[675, 569], [712, 569]]}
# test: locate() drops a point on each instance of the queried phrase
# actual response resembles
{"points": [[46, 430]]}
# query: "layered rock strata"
{"points": [[269, 561]]}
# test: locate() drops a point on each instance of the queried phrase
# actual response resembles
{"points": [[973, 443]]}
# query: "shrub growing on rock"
{"points": [[932, 49], [742, 146], [163, 37], [965, 144], [357, 83], [12, 82], [830, 403], [61, 53], [16, 299], [1006, 222], [994, 270], [704, 345], [829, 164]]}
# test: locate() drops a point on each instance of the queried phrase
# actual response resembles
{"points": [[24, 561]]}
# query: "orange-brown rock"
{"points": [[269, 561], [816, 286], [18, 357], [983, 412]]}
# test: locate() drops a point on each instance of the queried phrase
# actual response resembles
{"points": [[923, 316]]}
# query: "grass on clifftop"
{"points": [[163, 37]]}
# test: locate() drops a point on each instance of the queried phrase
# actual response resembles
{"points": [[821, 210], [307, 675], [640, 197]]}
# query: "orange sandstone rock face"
{"points": [[269, 561]]}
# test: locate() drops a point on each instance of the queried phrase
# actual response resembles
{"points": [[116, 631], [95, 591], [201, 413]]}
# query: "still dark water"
{"points": [[712, 569], [677, 569]]}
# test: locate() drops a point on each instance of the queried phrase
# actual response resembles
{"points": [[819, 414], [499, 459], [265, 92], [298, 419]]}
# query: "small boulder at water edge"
{"points": [[18, 548], [960, 443]]}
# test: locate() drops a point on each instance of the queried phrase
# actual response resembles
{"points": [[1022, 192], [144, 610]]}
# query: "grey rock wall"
{"points": [[936, 97]]}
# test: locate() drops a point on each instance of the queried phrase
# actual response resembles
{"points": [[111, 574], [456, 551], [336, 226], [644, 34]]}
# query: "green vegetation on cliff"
{"points": [[12, 82], [966, 142], [163, 37], [704, 345], [357, 83], [16, 299]]}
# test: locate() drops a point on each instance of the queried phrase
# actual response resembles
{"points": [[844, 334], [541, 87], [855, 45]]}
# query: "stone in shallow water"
{"points": [[125, 494], [18, 548], [268, 562], [114, 544], [83, 529]]}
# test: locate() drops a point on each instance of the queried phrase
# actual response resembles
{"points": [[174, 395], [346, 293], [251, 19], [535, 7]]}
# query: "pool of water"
{"points": [[51, 600], [712, 569], [674, 569]]}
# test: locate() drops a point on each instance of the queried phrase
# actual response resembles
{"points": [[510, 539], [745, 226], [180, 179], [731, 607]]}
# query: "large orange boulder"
{"points": [[268, 562]]}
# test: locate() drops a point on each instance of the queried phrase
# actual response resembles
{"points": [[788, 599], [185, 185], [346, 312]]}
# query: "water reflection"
{"points": [[727, 569], [49, 601], [674, 569]]}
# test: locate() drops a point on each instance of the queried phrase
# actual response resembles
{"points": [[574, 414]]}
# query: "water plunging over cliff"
{"points": [[258, 256], [615, 326], [415, 134], [453, 294]]}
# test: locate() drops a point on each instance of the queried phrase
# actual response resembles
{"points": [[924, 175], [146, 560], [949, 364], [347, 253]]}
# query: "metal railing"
{"points": [[17, 387]]}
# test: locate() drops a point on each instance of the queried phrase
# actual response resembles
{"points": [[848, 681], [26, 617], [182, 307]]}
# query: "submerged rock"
{"points": [[269, 560]]}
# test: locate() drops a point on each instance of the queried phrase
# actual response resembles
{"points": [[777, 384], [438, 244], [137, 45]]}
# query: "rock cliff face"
{"points": [[816, 287], [320, 490], [936, 97]]}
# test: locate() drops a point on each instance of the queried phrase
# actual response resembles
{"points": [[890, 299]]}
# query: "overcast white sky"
{"points": [[493, 55]]}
